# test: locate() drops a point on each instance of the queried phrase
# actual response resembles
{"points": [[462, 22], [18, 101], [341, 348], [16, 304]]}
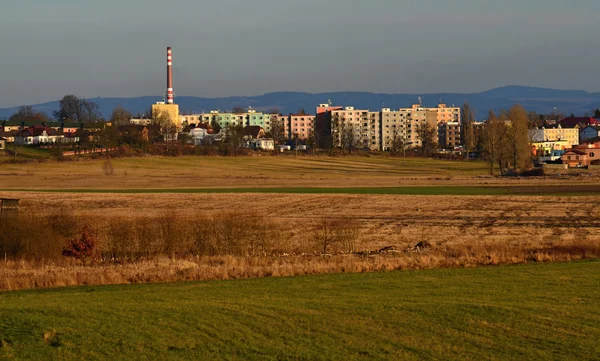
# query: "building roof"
{"points": [[596, 127], [36, 130], [29, 123], [575, 151], [572, 122], [12, 133], [253, 131]]}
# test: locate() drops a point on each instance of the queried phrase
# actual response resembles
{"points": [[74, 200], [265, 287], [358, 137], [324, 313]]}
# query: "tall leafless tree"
{"points": [[428, 136], [468, 134]]}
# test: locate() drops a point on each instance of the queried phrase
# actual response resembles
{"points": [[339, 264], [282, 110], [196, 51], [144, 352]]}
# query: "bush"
{"points": [[535, 172], [84, 247]]}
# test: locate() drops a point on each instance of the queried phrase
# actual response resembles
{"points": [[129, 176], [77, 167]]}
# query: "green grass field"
{"points": [[532, 312], [29, 153]]}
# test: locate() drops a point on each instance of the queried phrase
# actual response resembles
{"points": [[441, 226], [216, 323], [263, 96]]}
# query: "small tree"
{"points": [[398, 141], [493, 135], [333, 231], [216, 127], [120, 116], [277, 131], [83, 248], [428, 135]]}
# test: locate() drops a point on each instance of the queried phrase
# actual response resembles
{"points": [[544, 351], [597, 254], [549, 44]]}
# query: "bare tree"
{"points": [[167, 129], [69, 109], [90, 111], [234, 136], [24, 113], [335, 231], [468, 119], [120, 116], [347, 137], [428, 136], [277, 132], [72, 108], [518, 137], [398, 142], [493, 135]]}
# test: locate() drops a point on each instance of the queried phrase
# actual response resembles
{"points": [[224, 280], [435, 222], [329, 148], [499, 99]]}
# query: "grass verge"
{"points": [[542, 311]]}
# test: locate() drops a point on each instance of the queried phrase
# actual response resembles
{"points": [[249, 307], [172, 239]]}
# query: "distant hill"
{"points": [[537, 99]]}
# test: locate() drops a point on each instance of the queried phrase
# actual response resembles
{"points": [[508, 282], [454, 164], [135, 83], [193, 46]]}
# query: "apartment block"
{"points": [[354, 128], [571, 135], [300, 126], [446, 114], [395, 128], [250, 118], [449, 135], [323, 128]]}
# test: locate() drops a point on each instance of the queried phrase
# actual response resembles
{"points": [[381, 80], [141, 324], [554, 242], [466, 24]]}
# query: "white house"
{"points": [[37, 135], [198, 135], [265, 144]]}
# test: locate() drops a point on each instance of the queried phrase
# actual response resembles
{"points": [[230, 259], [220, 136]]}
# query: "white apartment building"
{"points": [[354, 128]]}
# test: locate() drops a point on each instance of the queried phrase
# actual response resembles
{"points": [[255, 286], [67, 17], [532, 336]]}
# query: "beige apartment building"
{"points": [[446, 114], [405, 123], [571, 135], [354, 128]]}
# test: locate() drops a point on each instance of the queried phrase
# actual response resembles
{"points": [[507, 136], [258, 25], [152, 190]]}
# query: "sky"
{"points": [[117, 48]]}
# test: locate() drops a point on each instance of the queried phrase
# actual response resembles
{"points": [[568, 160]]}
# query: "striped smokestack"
{"points": [[170, 96]]}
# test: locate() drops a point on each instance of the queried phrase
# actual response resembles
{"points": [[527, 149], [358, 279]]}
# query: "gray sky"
{"points": [[249, 47]]}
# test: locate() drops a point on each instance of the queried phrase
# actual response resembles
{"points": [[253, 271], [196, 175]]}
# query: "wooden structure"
{"points": [[9, 206]]}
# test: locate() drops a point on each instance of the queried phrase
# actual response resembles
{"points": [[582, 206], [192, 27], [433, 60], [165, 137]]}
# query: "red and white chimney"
{"points": [[170, 96]]}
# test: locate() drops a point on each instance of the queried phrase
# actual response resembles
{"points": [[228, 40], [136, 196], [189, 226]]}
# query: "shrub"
{"points": [[84, 247]]}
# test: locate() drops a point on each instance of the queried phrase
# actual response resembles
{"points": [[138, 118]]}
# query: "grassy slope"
{"points": [[547, 311]]}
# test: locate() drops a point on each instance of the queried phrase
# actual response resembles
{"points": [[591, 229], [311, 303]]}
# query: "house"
{"points": [[254, 138], [581, 122], [265, 144], [550, 151], [253, 132], [37, 134], [199, 135], [589, 132], [9, 136], [582, 155], [2, 143]]}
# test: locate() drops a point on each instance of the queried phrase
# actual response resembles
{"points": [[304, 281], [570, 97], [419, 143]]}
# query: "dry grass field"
{"points": [[252, 172], [463, 230]]}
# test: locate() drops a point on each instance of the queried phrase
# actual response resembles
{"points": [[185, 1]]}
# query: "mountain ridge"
{"points": [[542, 100]]}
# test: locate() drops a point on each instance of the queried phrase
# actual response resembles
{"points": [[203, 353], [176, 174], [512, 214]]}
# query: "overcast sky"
{"points": [[249, 47]]}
